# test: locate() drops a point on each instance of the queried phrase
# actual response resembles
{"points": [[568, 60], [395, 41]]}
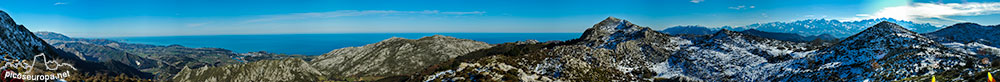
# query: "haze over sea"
{"points": [[318, 44]]}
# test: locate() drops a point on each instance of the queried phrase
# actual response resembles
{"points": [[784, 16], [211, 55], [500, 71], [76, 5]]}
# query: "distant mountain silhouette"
{"points": [[696, 30], [968, 32]]}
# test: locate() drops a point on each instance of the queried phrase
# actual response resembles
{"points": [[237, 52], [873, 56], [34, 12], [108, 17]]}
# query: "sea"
{"points": [[318, 44]]}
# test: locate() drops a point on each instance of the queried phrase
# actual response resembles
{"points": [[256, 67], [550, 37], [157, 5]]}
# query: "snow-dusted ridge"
{"points": [[616, 50]]}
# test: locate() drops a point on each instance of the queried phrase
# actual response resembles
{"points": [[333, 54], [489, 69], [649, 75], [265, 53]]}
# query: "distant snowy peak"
{"points": [[835, 27], [611, 31]]}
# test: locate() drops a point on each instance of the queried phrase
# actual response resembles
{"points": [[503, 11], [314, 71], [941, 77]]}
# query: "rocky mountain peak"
{"points": [[885, 31], [17, 41], [5, 18], [886, 26], [612, 24], [882, 40], [611, 31]]}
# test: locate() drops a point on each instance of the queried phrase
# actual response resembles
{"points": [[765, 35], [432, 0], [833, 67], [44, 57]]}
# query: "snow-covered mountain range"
{"points": [[810, 27]]}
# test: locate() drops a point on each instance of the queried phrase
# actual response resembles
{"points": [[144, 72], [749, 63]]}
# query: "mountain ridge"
{"points": [[813, 27], [21, 44], [390, 57], [966, 33]]}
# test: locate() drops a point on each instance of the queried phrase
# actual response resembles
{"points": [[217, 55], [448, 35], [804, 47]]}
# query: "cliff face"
{"points": [[17, 41]]}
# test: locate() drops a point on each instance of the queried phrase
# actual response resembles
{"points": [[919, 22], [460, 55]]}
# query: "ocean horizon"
{"points": [[318, 44]]}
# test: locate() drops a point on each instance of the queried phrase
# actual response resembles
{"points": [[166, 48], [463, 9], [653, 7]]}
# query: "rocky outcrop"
{"points": [[612, 31], [285, 70], [394, 56], [390, 57]]}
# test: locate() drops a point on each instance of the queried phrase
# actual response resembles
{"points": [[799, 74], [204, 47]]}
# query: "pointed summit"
{"points": [[17, 41], [611, 31], [884, 31], [611, 19], [886, 26], [612, 23], [4, 18]]}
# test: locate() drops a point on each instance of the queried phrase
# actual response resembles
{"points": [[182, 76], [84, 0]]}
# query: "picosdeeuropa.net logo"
{"points": [[25, 70]]}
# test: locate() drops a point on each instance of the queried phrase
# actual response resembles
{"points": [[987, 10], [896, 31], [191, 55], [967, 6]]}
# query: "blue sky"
{"points": [[124, 18]]}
